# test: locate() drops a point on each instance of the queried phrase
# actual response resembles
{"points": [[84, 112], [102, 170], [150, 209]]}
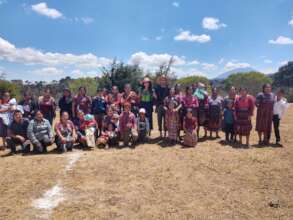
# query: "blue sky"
{"points": [[46, 40]]}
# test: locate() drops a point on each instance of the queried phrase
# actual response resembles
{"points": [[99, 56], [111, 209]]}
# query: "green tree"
{"points": [[89, 83], [253, 81], [189, 80], [6, 86], [119, 74]]}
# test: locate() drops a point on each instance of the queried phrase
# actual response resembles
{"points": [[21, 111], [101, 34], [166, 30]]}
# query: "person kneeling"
{"points": [[127, 126], [86, 128], [17, 133], [109, 137], [40, 133], [189, 126], [65, 133]]}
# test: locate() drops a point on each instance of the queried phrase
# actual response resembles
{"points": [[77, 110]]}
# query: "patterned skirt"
{"points": [[190, 139], [214, 120], [243, 125], [202, 116], [264, 118], [173, 129]]}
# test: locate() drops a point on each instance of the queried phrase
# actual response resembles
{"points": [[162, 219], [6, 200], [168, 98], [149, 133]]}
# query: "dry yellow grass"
{"points": [[211, 181]]}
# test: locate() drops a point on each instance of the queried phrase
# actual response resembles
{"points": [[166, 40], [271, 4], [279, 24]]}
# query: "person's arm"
{"points": [[147, 125], [73, 107], [30, 133], [49, 130]]}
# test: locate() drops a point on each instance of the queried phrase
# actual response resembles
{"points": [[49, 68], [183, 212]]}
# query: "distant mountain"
{"points": [[238, 70]]}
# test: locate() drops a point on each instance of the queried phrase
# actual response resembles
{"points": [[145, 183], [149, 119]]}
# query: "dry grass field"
{"points": [[211, 181]]}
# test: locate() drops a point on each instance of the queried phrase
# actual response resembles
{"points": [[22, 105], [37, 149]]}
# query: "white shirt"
{"points": [[280, 107]]}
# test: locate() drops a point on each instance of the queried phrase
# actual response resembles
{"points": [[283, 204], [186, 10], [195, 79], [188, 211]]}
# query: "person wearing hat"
{"points": [[146, 100], [127, 126], [161, 92], [143, 126], [65, 103]]}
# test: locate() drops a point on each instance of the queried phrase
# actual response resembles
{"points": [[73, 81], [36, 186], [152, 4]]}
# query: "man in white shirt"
{"points": [[280, 107]]}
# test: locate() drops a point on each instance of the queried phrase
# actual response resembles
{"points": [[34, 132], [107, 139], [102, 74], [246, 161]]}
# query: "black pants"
{"points": [[276, 122], [63, 147], [229, 131], [13, 142], [161, 117], [41, 145]]}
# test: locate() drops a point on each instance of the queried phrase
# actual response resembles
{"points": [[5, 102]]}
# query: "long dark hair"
{"points": [[266, 85]]}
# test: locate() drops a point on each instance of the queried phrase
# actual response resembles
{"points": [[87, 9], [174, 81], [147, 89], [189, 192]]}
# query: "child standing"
{"points": [[172, 122], [280, 107], [189, 126], [229, 121], [127, 126], [143, 126]]}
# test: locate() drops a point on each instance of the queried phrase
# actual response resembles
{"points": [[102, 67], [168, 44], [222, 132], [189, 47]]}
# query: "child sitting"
{"points": [[127, 126], [229, 121], [86, 127], [109, 137], [189, 127], [143, 126], [172, 122]]}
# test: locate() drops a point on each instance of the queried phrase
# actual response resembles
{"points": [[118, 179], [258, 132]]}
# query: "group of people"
{"points": [[112, 116]]}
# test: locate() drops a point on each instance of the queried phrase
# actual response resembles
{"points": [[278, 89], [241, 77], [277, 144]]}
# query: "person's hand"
{"points": [[74, 138], [22, 139], [249, 118], [63, 140], [129, 125]]}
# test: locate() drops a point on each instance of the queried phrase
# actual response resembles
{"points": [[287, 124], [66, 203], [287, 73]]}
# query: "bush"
{"points": [[6, 86], [253, 81], [189, 80]]}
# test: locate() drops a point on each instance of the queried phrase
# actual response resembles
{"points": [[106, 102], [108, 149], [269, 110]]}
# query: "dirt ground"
{"points": [[211, 181]]}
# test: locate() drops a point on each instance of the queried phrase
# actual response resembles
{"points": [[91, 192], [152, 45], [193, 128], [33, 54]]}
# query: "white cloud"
{"points": [[212, 23], [291, 22], [282, 40], [184, 72], [176, 4], [29, 55], [193, 62], [268, 61], [152, 61], [208, 66], [187, 36], [235, 65], [48, 71], [42, 9], [87, 20]]}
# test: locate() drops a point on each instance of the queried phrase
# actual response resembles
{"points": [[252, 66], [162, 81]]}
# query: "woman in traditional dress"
{"points": [[47, 106], [172, 122], [130, 96], [203, 105], [189, 126], [65, 133], [244, 106], [190, 101], [146, 100], [215, 113], [81, 102], [265, 106]]}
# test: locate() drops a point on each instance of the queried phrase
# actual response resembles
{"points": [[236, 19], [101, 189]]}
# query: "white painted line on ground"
{"points": [[54, 196]]}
